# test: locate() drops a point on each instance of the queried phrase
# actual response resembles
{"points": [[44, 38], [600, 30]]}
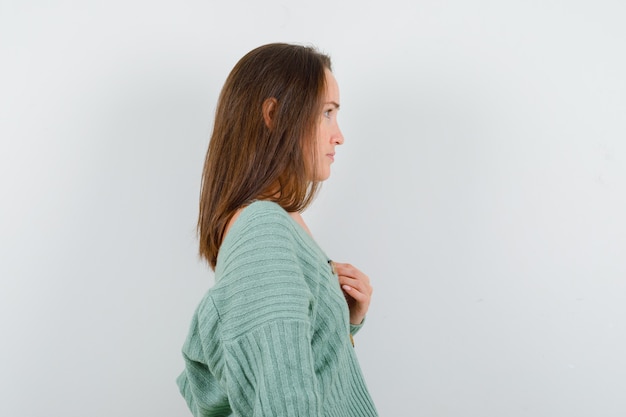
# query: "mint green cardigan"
{"points": [[272, 336]]}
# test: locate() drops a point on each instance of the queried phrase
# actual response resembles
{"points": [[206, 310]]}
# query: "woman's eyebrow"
{"points": [[334, 103]]}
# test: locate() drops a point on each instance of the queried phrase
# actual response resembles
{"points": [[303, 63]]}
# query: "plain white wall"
{"points": [[482, 186]]}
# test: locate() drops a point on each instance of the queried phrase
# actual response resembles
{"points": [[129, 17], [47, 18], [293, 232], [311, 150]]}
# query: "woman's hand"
{"points": [[357, 290]]}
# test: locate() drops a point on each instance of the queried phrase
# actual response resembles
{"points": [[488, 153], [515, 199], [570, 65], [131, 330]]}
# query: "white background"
{"points": [[482, 186]]}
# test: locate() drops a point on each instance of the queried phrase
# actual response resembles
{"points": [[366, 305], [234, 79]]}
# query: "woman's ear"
{"points": [[269, 109]]}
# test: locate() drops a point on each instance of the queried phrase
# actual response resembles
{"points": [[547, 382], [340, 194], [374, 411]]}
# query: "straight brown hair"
{"points": [[248, 160]]}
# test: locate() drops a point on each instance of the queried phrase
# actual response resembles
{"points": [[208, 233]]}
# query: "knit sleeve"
{"points": [[264, 305], [354, 328], [198, 383]]}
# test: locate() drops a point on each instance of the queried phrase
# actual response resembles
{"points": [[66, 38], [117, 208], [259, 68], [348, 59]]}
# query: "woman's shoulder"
{"points": [[260, 214], [265, 207], [256, 227]]}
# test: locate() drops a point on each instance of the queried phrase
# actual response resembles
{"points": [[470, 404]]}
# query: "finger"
{"points": [[361, 279], [348, 270], [356, 293], [358, 284]]}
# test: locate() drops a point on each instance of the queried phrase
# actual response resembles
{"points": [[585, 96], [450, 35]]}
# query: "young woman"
{"points": [[273, 336]]}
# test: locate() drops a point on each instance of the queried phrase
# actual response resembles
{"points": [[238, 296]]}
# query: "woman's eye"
{"points": [[327, 113]]}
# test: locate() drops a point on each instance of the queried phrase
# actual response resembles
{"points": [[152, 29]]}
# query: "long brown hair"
{"points": [[249, 160]]}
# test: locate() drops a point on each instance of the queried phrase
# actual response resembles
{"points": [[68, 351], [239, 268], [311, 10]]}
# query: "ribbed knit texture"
{"points": [[271, 338]]}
